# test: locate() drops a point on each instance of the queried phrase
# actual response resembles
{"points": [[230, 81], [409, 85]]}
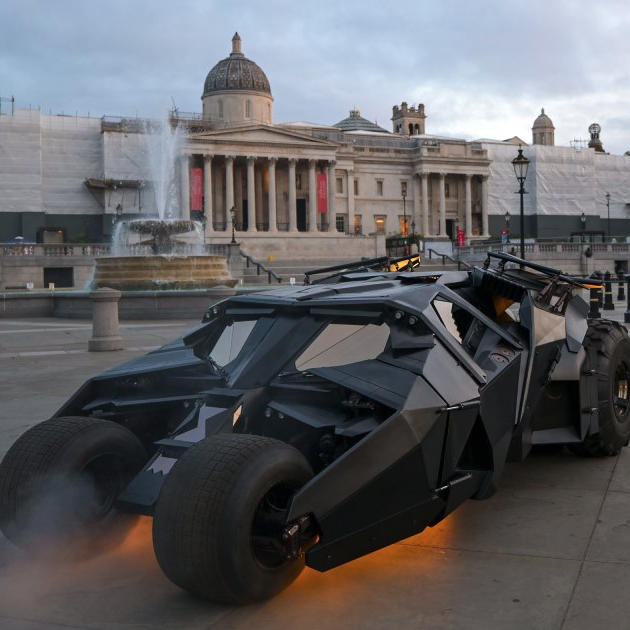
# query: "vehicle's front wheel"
{"points": [[220, 515], [58, 483], [612, 345]]}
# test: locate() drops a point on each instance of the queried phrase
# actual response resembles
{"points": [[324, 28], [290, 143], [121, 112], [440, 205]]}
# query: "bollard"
{"points": [[609, 305], [105, 334], [600, 291], [626, 315], [593, 312], [620, 287]]}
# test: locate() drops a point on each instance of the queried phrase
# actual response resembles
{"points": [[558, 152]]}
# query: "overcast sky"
{"points": [[482, 68]]}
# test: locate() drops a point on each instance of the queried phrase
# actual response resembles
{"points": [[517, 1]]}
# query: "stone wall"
{"points": [[316, 246]]}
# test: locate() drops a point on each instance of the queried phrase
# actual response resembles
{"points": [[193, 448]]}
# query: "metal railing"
{"points": [[260, 267], [446, 257], [543, 246]]}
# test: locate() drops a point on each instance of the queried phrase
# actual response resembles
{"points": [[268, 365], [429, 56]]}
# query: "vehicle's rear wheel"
{"points": [[58, 483], [611, 342], [219, 518]]}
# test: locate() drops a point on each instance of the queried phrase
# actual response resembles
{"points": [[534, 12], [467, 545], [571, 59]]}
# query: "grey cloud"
{"points": [[465, 60]]}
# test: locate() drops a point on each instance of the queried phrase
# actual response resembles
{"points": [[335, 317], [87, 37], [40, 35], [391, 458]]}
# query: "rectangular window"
{"points": [[339, 185], [404, 224], [340, 223], [220, 109], [379, 187], [248, 109], [380, 225], [356, 187]]}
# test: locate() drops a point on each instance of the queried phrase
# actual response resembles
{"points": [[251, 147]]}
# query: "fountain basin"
{"points": [[161, 273]]}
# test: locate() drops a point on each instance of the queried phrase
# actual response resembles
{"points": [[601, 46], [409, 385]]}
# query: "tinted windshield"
{"points": [[231, 341], [254, 348], [340, 344]]}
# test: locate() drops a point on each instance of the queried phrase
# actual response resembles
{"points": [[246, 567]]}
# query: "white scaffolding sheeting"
{"points": [[125, 156], [71, 147], [561, 181], [20, 162], [44, 161]]}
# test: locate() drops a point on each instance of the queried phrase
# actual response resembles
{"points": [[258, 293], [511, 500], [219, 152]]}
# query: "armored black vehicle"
{"points": [[310, 425]]}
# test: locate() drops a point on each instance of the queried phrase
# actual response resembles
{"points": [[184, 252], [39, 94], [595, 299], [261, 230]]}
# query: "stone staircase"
{"points": [[286, 269], [294, 268]]}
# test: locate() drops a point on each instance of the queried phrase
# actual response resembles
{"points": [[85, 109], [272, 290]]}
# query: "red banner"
{"points": [[322, 193], [461, 237], [196, 189]]}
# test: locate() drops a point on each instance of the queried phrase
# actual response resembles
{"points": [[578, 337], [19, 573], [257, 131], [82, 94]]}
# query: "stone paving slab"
{"points": [[550, 550]]}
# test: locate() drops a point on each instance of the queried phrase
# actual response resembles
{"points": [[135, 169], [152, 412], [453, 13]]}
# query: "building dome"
{"points": [[236, 72], [236, 92], [356, 122], [543, 120], [543, 131]]}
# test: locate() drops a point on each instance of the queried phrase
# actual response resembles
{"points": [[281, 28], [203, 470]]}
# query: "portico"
{"points": [[282, 182], [278, 181]]}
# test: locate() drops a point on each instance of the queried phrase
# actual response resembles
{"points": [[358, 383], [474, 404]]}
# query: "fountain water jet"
{"points": [[164, 252]]}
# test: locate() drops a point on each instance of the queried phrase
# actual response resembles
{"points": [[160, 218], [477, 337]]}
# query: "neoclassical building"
{"points": [[353, 177], [296, 182]]}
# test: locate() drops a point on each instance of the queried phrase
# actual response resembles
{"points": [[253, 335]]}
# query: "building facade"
{"points": [[73, 178]]}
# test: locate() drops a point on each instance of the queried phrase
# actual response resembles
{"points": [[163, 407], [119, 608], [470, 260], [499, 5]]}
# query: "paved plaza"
{"points": [[551, 549]]}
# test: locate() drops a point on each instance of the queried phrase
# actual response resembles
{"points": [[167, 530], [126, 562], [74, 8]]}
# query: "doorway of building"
{"points": [[451, 229], [301, 215], [60, 277]]}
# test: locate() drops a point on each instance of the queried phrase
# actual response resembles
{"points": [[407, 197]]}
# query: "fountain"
{"points": [[164, 252]]}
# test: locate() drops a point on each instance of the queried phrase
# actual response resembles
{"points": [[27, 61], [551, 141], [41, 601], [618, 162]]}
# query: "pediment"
{"points": [[270, 136]]}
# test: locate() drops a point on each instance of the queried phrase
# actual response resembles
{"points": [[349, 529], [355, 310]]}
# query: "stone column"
{"points": [[207, 193], [273, 220], [260, 201], [468, 205], [415, 182], [442, 205], [312, 196], [292, 197], [238, 195], [350, 188], [484, 206], [332, 215], [185, 189], [218, 196], [229, 189], [425, 205], [251, 194]]}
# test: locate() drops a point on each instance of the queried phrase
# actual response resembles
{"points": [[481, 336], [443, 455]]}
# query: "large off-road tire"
{"points": [[611, 342], [218, 519], [58, 483]]}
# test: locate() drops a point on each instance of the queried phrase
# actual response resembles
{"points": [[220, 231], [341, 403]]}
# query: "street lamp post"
{"points": [[521, 164], [583, 219], [507, 226], [233, 215], [608, 206]]}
